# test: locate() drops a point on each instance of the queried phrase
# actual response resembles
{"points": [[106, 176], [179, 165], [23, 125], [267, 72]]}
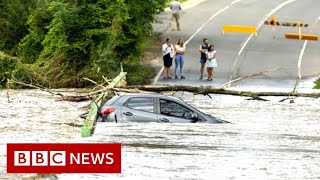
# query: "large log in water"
{"points": [[211, 90]]}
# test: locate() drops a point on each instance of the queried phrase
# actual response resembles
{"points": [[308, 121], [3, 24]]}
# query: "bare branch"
{"points": [[34, 86], [92, 81], [248, 76]]}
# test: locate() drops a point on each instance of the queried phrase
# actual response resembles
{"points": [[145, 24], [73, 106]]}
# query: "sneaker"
{"points": [[176, 77], [182, 77], [201, 77], [164, 77], [169, 77]]}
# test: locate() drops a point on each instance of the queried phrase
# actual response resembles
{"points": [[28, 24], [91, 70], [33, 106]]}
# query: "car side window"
{"points": [[170, 108], [141, 104]]}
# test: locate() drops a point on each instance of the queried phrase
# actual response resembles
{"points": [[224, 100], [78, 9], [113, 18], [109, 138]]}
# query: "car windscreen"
{"points": [[189, 105], [196, 109]]}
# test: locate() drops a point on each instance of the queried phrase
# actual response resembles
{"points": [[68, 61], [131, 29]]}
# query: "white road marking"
{"points": [[213, 16], [194, 34], [300, 58], [258, 27], [264, 19], [302, 52]]}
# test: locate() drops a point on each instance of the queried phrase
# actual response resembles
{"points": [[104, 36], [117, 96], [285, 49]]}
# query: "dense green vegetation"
{"points": [[317, 84], [58, 42]]}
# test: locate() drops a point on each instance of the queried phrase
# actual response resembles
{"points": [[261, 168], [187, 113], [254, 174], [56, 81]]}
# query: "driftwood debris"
{"points": [[257, 98], [248, 76], [168, 90], [63, 97], [12, 81]]}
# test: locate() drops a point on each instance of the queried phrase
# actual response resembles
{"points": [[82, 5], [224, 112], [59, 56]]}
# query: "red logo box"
{"points": [[64, 158]]}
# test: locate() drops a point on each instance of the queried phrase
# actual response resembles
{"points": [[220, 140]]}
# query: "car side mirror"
{"points": [[194, 116]]}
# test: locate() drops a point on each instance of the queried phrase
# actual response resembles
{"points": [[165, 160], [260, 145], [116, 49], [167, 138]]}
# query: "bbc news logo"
{"points": [[64, 158], [58, 158], [39, 158]]}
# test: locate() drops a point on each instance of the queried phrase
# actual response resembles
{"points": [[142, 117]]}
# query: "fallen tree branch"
{"points": [[210, 90], [131, 90], [248, 76], [34, 86], [92, 81], [75, 98], [283, 100], [257, 98], [296, 85]]}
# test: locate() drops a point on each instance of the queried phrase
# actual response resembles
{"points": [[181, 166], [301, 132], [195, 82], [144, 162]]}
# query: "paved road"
{"points": [[243, 54]]}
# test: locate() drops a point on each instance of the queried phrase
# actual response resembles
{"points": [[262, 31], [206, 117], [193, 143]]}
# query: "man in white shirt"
{"points": [[168, 52], [175, 8]]}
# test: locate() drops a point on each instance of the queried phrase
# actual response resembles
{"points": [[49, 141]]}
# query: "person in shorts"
{"points": [[168, 52], [203, 50]]}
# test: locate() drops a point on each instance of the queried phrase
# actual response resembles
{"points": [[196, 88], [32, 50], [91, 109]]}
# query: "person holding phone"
{"points": [[168, 52]]}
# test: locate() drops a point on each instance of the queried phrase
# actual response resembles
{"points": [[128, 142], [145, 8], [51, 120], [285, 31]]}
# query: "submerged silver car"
{"points": [[151, 108]]}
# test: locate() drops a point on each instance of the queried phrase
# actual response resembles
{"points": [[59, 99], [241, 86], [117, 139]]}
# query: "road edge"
{"points": [[155, 80]]}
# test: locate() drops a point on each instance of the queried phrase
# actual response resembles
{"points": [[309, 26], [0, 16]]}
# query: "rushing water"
{"points": [[28, 116], [266, 139]]}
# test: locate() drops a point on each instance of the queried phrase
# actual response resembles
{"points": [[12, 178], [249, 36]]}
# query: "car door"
{"points": [[173, 112], [139, 109]]}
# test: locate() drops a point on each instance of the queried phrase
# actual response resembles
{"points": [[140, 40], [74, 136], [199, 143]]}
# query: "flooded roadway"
{"points": [[34, 116], [266, 139]]}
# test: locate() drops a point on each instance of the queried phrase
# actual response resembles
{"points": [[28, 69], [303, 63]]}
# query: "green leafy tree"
{"points": [[31, 46], [13, 23], [65, 40], [81, 37]]}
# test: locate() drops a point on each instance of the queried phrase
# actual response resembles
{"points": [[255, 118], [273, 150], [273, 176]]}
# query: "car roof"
{"points": [[147, 95]]}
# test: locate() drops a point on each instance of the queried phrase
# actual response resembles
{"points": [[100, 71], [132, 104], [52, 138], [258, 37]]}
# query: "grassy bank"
{"points": [[138, 72], [317, 84]]}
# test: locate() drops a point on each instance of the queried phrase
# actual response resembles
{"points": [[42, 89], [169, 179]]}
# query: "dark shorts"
{"points": [[167, 60], [203, 61]]}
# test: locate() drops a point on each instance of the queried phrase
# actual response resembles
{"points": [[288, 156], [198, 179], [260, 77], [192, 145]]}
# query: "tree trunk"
{"points": [[210, 90]]}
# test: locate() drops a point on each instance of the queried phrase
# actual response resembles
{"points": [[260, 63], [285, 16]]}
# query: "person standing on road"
{"points": [[180, 49], [168, 52], [203, 59], [175, 8], [211, 62]]}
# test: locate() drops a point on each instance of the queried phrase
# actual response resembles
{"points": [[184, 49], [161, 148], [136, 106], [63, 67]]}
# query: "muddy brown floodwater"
{"points": [[265, 139], [36, 116]]}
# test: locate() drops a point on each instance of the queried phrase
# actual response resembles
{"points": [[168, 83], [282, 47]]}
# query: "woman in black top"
{"points": [[168, 52]]}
